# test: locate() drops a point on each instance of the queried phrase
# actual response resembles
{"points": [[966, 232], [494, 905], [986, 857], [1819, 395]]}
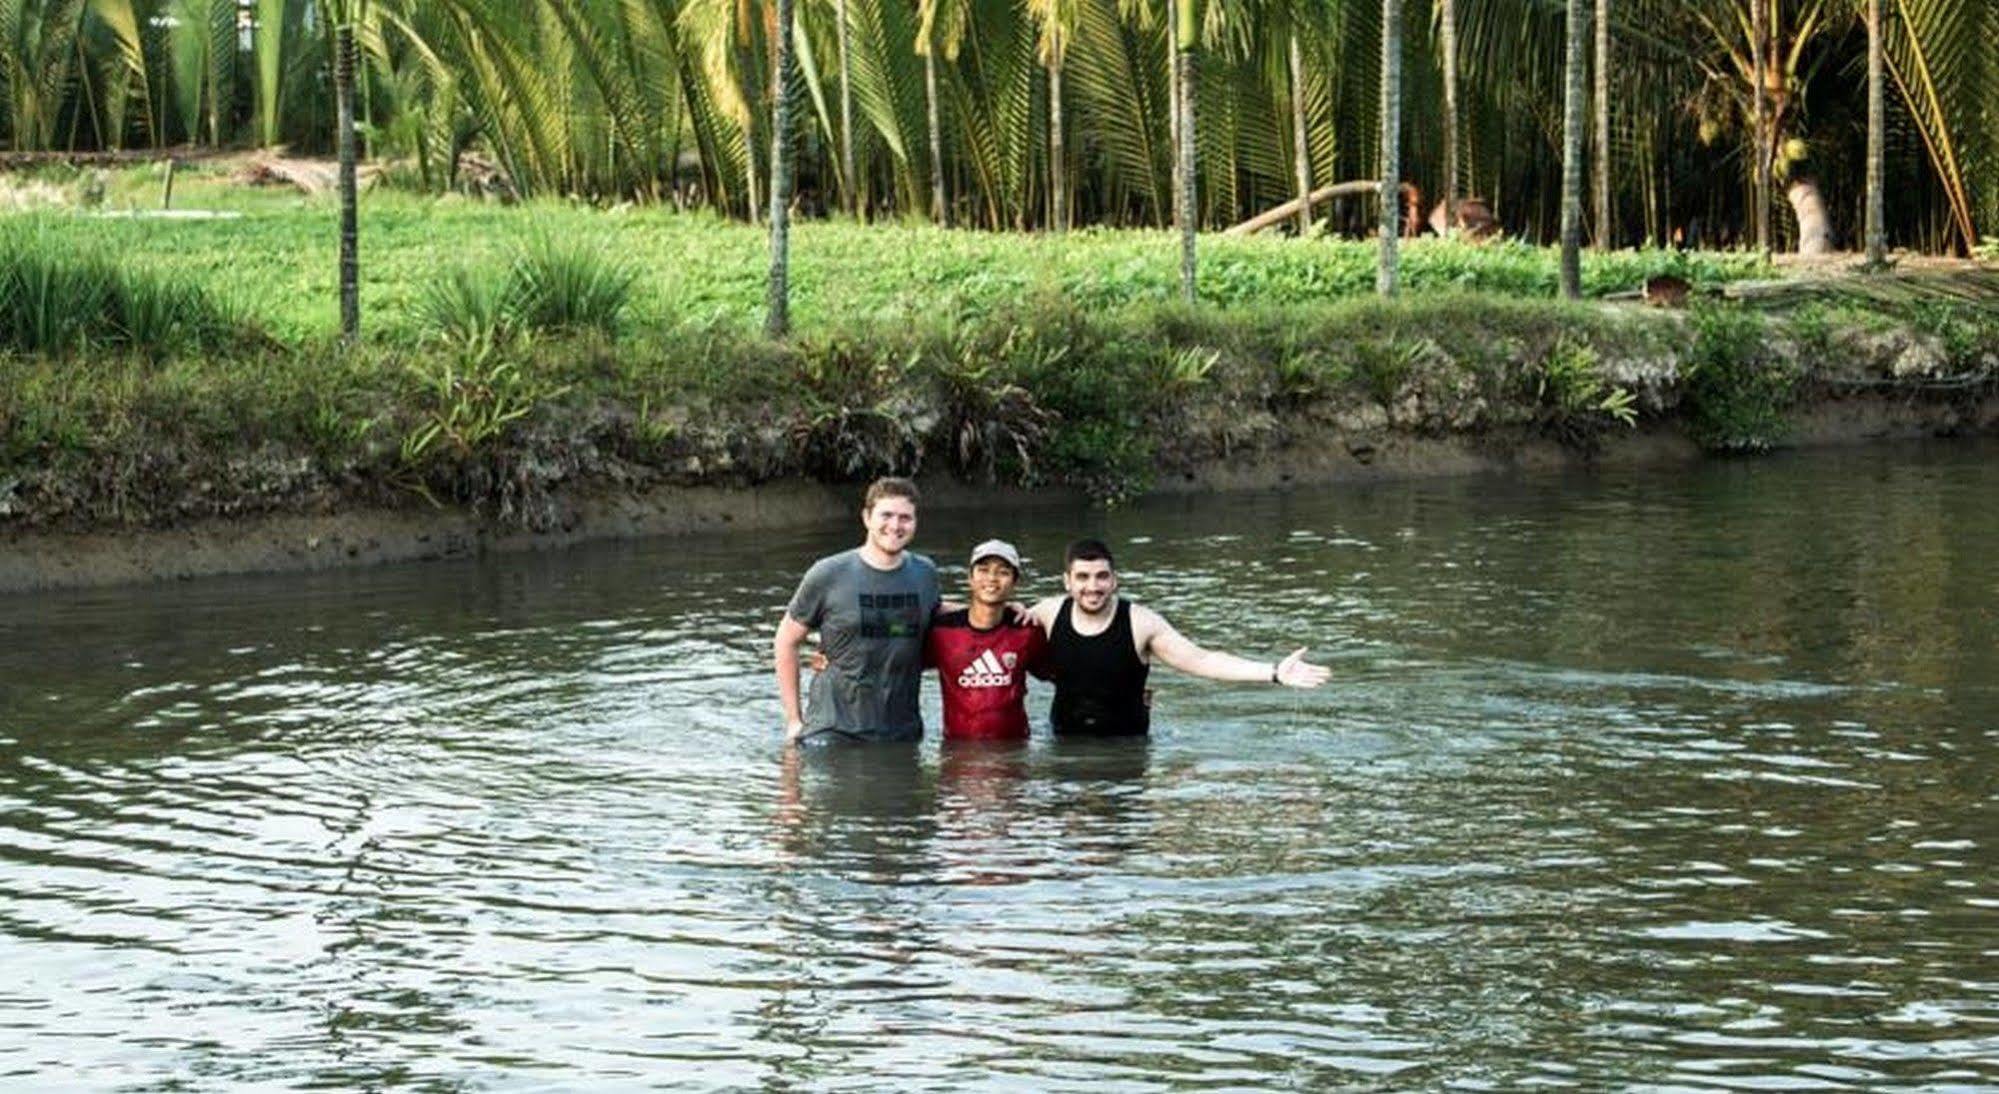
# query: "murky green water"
{"points": [[1677, 781]]}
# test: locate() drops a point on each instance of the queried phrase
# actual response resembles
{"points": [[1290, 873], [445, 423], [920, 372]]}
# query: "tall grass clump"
{"points": [[466, 305], [552, 285], [569, 284], [57, 298]]}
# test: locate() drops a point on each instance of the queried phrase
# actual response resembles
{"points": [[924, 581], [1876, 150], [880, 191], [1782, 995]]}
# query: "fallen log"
{"points": [[1289, 209]]}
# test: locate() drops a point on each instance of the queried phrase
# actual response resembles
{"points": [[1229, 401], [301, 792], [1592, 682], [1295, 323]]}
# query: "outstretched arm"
{"points": [[790, 634], [1176, 650]]}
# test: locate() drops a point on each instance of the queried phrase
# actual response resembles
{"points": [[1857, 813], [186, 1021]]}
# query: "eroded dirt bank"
{"points": [[35, 560]]}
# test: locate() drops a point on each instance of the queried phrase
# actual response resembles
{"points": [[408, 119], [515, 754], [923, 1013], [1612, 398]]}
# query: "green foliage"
{"points": [[467, 305], [1577, 401], [1383, 366], [60, 298], [1966, 332], [699, 270], [1737, 390], [561, 283], [469, 398]]}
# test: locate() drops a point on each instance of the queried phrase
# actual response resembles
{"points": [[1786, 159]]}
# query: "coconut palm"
{"points": [[1572, 154], [37, 58], [343, 15], [1447, 50], [1187, 37], [1877, 141], [1055, 22], [1391, 141], [777, 297], [1606, 228]]}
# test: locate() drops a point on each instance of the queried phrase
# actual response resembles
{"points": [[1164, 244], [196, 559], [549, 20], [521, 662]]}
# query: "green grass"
{"points": [[277, 261]]}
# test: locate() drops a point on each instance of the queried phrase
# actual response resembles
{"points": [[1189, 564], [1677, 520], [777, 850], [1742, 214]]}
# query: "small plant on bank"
{"points": [[1383, 366], [994, 428], [1737, 389], [1577, 402], [470, 398]]}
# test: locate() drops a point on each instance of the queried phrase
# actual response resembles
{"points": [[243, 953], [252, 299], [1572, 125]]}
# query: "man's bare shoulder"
{"points": [[1147, 624], [1044, 610]]}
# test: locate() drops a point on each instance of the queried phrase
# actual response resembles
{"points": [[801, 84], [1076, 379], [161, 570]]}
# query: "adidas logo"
{"points": [[985, 671]]}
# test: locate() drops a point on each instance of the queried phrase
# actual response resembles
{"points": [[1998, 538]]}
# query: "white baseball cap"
{"points": [[999, 549]]}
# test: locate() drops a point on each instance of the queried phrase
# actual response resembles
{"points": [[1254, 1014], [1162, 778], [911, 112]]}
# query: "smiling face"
{"points": [[1091, 581], [891, 524], [992, 582]]}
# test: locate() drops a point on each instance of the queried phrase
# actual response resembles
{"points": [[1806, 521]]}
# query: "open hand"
{"points": [[1296, 672]]}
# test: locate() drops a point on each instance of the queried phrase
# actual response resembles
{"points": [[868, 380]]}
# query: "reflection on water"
{"points": [[1680, 781]]}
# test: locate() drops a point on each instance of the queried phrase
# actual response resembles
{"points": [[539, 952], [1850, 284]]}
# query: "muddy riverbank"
{"points": [[41, 559]]}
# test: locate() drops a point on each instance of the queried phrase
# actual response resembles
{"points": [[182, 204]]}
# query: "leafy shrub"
{"points": [[1737, 390], [1576, 402]]}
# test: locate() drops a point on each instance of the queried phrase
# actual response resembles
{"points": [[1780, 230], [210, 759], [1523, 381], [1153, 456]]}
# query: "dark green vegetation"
{"points": [[954, 104], [537, 380]]}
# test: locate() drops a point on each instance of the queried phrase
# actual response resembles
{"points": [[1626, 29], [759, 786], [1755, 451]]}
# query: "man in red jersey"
{"points": [[983, 654]]}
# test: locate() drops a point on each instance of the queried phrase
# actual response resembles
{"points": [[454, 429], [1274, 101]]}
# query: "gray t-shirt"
{"points": [[871, 625]]}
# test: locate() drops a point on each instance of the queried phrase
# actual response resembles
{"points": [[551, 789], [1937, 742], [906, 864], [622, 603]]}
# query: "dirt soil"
{"points": [[31, 561]]}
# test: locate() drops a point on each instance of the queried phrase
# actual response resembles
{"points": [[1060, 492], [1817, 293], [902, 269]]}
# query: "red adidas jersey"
{"points": [[984, 674]]}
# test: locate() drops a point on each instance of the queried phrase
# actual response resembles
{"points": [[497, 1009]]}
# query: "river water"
{"points": [[1681, 781]]}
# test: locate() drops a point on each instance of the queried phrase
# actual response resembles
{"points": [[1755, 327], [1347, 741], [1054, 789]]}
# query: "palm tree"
{"points": [[1391, 152], [344, 15], [1187, 30], [777, 295], [1572, 154], [1056, 19], [1448, 50], [1877, 126], [941, 27], [1760, 139], [1301, 143], [848, 180], [1606, 228]]}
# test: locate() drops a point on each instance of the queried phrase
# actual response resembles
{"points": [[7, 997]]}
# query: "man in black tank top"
{"points": [[1100, 648]]}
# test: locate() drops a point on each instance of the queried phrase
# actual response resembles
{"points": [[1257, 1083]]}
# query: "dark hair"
{"points": [[1087, 550], [890, 487]]}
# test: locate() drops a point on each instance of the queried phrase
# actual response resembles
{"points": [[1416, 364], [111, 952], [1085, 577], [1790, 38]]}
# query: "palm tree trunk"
{"points": [[1388, 270], [1449, 47], [1188, 213], [848, 181], [777, 296], [1058, 190], [1572, 154], [1606, 230], [1173, 96], [1760, 138], [1301, 149], [350, 261], [939, 212], [1877, 155]]}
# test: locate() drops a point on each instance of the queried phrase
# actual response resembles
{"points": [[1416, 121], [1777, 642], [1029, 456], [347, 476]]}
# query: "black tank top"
{"points": [[1099, 679]]}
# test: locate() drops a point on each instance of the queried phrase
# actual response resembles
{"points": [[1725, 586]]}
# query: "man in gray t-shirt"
{"points": [[871, 606]]}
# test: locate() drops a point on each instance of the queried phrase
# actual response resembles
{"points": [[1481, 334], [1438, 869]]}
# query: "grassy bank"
{"points": [[1048, 392], [153, 371]]}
